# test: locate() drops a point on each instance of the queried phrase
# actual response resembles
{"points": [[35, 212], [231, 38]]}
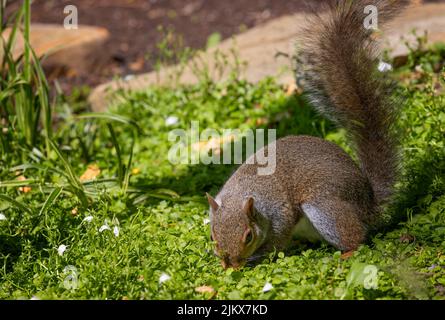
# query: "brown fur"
{"points": [[343, 82], [313, 177]]}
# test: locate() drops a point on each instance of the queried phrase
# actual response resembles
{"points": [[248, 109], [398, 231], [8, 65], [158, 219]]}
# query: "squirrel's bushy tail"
{"points": [[342, 80]]}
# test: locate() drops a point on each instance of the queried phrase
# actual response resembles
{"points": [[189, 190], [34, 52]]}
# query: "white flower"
{"points": [[384, 67], [35, 298], [164, 277], [88, 219], [104, 227], [61, 249], [267, 287], [116, 231], [206, 221], [170, 121], [129, 77], [2, 217]]}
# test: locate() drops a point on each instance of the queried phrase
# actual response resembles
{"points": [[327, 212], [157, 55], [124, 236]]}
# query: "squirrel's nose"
{"points": [[235, 263]]}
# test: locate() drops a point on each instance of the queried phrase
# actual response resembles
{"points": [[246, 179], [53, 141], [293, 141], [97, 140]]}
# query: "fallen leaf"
{"points": [[347, 255], [205, 289], [91, 173], [213, 144], [261, 121], [137, 65], [291, 88], [23, 189]]}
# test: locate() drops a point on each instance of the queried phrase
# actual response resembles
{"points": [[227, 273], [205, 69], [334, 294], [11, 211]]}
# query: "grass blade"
{"points": [[72, 178], [120, 169], [26, 35], [24, 167], [109, 117], [70, 173], [16, 183], [128, 167], [15, 203], [50, 200]]}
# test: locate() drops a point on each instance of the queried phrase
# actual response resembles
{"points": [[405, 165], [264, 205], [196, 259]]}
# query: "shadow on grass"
{"points": [[421, 178], [295, 117], [10, 249]]}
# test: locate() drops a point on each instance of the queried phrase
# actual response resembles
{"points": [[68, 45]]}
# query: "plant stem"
{"points": [[26, 35]]}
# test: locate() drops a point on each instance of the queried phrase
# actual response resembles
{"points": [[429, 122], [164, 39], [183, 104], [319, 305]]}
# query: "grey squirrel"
{"points": [[317, 189]]}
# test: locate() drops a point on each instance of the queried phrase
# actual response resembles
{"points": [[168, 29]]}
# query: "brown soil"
{"points": [[133, 25]]}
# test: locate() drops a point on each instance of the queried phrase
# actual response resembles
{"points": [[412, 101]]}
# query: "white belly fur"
{"points": [[305, 230]]}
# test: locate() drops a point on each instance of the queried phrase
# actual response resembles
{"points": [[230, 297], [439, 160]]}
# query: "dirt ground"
{"points": [[133, 25]]}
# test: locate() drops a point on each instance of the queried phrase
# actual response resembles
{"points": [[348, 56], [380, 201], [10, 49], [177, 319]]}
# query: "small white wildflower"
{"points": [[116, 231], [61, 249], [129, 77], [267, 287], [88, 219], [170, 121], [206, 221], [384, 67], [35, 298], [104, 227], [2, 217], [164, 277]]}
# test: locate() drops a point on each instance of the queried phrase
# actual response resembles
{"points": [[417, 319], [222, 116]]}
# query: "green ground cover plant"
{"points": [[139, 229]]}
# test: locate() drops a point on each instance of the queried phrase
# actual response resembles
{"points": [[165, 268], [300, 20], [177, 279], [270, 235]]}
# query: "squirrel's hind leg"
{"points": [[337, 221]]}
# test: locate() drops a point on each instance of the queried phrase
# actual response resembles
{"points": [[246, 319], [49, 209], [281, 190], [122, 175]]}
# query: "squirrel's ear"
{"points": [[248, 208], [213, 204]]}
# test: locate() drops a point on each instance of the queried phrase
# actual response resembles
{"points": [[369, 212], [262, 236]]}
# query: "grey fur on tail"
{"points": [[345, 85]]}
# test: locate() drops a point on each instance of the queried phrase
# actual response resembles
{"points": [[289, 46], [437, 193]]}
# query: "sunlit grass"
{"points": [[137, 227]]}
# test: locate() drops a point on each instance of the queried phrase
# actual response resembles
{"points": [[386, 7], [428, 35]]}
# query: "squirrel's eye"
{"points": [[249, 237]]}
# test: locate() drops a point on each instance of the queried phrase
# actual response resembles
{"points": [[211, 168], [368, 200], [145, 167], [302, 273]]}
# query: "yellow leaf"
{"points": [[213, 144], [23, 189], [91, 173], [205, 289], [292, 88]]}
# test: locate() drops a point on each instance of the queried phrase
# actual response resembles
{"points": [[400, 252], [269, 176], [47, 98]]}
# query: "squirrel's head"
{"points": [[236, 231]]}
